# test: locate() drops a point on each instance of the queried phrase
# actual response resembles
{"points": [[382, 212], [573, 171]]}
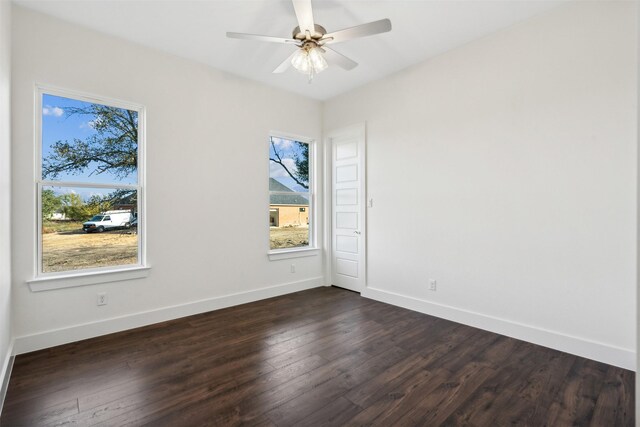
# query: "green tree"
{"points": [[113, 147], [302, 163], [97, 204], [74, 207], [50, 203]]}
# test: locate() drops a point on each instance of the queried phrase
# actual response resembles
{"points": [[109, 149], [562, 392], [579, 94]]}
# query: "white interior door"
{"points": [[348, 235]]}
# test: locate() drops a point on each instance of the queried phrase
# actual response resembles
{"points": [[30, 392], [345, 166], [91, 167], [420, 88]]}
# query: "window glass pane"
{"points": [[88, 142], [289, 193], [88, 228], [288, 165], [289, 226]]}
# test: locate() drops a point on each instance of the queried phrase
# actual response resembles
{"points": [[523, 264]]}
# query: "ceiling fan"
{"points": [[311, 40]]}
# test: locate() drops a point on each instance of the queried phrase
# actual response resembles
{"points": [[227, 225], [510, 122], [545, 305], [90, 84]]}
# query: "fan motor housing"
{"points": [[319, 32]]}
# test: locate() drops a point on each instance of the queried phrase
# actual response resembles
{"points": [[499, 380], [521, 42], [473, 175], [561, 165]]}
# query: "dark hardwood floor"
{"points": [[320, 357]]}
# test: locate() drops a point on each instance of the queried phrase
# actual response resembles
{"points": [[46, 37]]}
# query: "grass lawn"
{"points": [[49, 226]]}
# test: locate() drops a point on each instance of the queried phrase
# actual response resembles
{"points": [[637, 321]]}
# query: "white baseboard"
{"points": [[5, 373], [611, 355], [39, 341]]}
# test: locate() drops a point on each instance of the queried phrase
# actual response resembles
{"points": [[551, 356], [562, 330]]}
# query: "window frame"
{"points": [[95, 274], [312, 248]]}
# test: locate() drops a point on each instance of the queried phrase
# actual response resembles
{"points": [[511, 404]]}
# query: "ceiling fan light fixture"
{"points": [[309, 60], [317, 60], [300, 61], [311, 40]]}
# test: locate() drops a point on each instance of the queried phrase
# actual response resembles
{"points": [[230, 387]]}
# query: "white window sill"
{"points": [[292, 253], [49, 283]]}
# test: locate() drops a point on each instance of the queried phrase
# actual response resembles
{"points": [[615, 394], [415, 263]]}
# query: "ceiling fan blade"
{"points": [[284, 66], [376, 27], [257, 37], [304, 13], [339, 59]]}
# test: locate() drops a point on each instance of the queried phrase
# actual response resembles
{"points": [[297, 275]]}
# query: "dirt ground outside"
{"points": [[288, 237], [66, 247]]}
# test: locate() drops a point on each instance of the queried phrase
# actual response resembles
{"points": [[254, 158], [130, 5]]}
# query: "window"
{"points": [[88, 183], [290, 193]]}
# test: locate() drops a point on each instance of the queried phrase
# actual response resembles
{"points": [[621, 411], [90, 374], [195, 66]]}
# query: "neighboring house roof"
{"points": [[284, 199], [128, 202]]}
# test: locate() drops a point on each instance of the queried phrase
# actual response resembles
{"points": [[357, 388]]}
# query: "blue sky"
{"points": [[58, 125], [287, 150]]}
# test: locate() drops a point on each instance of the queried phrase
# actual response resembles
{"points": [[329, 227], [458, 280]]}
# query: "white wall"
{"points": [[207, 225], [5, 189], [506, 169]]}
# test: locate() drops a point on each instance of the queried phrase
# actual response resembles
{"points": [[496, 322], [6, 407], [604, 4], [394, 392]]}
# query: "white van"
{"points": [[107, 221]]}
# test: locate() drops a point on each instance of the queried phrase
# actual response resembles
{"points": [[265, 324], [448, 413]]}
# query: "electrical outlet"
{"points": [[102, 298], [293, 268], [433, 284]]}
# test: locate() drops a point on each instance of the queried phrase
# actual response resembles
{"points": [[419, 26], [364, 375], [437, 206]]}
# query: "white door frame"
{"points": [[359, 128]]}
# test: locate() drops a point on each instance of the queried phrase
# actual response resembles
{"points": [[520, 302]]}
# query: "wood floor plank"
{"points": [[577, 399], [436, 406], [379, 385], [614, 390], [393, 406], [484, 405], [249, 401], [27, 415], [289, 413], [340, 338], [334, 414], [326, 357]]}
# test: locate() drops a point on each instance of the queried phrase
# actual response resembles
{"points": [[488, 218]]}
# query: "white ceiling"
{"points": [[196, 30]]}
